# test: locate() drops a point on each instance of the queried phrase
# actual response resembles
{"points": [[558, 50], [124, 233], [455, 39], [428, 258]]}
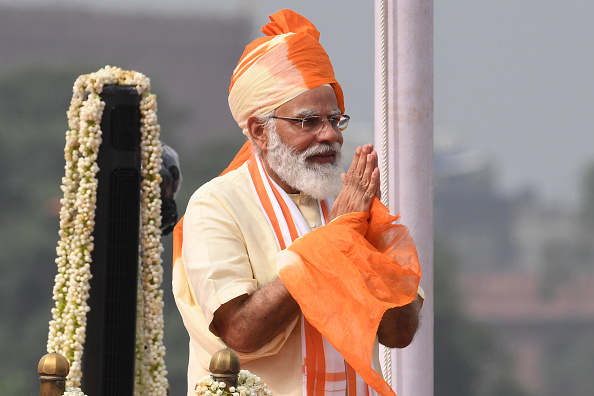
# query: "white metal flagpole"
{"points": [[404, 141]]}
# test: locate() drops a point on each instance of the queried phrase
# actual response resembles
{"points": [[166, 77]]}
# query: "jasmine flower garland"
{"points": [[67, 328], [248, 384]]}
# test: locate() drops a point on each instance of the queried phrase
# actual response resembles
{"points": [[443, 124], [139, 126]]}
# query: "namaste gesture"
{"points": [[360, 183]]}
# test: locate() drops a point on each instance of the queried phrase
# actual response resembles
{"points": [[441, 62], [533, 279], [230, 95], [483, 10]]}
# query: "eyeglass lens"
{"points": [[314, 123]]}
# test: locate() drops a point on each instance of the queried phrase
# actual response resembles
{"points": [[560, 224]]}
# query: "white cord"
{"points": [[387, 358], [384, 78]]}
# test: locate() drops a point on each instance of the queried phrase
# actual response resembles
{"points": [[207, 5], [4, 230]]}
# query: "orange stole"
{"points": [[351, 271]]}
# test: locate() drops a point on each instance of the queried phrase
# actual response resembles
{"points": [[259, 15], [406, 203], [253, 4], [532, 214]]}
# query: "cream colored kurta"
{"points": [[228, 250]]}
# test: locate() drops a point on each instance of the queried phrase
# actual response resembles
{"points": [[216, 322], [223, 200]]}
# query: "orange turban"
{"points": [[277, 68]]}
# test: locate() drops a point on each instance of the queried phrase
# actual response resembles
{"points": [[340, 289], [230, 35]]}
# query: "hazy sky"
{"points": [[514, 79]]}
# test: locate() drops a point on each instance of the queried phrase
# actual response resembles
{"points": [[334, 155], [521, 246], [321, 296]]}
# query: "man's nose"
{"points": [[328, 133]]}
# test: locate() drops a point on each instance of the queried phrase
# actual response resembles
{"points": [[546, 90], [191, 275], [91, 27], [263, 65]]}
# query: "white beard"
{"points": [[314, 179]]}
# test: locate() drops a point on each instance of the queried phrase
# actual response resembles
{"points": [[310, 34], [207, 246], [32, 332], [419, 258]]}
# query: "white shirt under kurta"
{"points": [[228, 250]]}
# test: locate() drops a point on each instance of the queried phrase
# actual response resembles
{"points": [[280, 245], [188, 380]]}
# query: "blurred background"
{"points": [[514, 165]]}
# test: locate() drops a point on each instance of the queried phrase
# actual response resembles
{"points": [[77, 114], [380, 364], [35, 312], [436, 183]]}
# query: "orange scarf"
{"points": [[349, 273]]}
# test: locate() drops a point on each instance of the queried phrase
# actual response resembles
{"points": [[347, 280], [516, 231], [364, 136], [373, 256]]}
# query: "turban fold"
{"points": [[277, 68]]}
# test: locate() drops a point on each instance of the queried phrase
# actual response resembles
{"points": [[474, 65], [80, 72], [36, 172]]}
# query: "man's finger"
{"points": [[355, 160], [373, 188], [369, 167], [362, 163]]}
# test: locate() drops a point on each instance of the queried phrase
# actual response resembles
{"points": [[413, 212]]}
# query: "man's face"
{"points": [[319, 101], [307, 162]]}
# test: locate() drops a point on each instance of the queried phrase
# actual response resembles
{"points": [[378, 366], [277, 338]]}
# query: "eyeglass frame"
{"points": [[301, 120]]}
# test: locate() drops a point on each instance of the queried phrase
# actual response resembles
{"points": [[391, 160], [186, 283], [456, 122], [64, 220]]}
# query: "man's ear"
{"points": [[257, 132]]}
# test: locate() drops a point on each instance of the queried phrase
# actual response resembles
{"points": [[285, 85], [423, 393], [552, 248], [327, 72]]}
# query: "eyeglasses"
{"points": [[311, 124]]}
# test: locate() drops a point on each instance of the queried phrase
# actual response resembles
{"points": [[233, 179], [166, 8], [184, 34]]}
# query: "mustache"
{"points": [[323, 148]]}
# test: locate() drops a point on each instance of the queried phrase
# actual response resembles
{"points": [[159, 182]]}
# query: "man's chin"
{"points": [[321, 182]]}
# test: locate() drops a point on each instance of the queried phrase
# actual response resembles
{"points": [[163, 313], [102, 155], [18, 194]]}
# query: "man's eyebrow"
{"points": [[310, 112], [306, 113]]}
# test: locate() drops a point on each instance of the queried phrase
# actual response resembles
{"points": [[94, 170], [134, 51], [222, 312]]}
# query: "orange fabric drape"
{"points": [[351, 271], [243, 155]]}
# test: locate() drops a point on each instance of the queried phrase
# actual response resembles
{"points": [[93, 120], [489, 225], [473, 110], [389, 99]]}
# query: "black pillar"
{"points": [[109, 350]]}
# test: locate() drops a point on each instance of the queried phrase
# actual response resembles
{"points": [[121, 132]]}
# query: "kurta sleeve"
{"points": [[215, 255], [227, 250]]}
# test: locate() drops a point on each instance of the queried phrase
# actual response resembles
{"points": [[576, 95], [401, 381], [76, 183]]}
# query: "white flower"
{"points": [[247, 385], [71, 290]]}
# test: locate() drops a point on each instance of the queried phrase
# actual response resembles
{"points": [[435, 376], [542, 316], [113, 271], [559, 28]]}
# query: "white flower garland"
{"points": [[67, 328], [248, 384]]}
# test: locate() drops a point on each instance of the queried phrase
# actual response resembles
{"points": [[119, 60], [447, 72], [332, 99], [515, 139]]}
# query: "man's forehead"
{"points": [[314, 101]]}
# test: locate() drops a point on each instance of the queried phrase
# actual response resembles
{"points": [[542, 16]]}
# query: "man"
{"points": [[299, 284]]}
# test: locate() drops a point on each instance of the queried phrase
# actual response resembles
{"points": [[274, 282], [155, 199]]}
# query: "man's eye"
{"points": [[334, 120], [310, 121]]}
